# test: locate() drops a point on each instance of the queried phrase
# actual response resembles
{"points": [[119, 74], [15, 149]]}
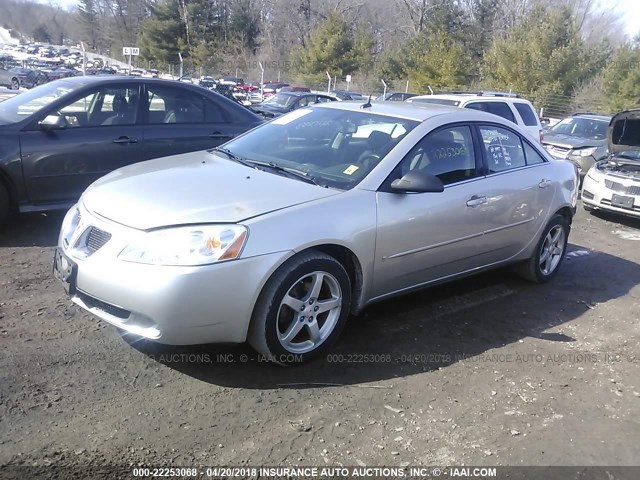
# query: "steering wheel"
{"points": [[369, 161]]}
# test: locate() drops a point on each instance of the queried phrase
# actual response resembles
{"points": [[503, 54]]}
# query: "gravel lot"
{"points": [[486, 371]]}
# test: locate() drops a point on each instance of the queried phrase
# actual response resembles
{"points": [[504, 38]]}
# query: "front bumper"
{"points": [[168, 304], [583, 163], [598, 194]]}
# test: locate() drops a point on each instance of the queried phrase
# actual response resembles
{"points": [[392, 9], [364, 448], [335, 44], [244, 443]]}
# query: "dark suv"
{"points": [[581, 138]]}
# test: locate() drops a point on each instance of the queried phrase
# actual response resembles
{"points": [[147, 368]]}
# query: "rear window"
{"points": [[497, 108], [528, 115]]}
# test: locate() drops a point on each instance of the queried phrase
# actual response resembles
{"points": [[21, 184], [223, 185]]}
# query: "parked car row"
{"points": [[211, 214]]}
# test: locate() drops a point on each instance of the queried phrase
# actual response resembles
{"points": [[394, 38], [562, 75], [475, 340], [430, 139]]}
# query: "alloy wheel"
{"points": [[552, 250], [309, 312]]}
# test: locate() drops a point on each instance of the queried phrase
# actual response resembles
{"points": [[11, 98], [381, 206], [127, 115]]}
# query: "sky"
{"points": [[630, 10]]}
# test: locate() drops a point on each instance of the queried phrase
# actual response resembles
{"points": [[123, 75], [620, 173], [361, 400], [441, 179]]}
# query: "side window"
{"points": [[109, 105], [213, 113], [504, 149], [446, 153], [304, 101], [532, 155], [76, 113], [175, 105], [528, 115], [323, 99], [497, 108]]}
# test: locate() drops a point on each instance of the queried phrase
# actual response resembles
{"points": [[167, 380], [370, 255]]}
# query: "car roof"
{"points": [[298, 93], [592, 116], [409, 111], [460, 97]]}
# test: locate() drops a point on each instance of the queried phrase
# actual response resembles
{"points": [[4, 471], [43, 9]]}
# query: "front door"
{"points": [[102, 134], [423, 237]]}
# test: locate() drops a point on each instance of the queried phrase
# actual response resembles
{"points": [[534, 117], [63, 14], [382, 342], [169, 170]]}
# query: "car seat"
{"points": [[121, 109]]}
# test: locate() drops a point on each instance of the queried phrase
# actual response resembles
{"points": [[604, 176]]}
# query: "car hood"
{"points": [[623, 134], [192, 188], [569, 141]]}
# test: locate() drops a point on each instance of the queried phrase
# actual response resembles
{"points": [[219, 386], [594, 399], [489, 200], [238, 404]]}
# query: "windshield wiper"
{"points": [[299, 174], [234, 157], [292, 172]]}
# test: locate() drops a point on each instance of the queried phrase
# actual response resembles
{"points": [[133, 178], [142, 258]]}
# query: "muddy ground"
{"points": [[486, 371]]}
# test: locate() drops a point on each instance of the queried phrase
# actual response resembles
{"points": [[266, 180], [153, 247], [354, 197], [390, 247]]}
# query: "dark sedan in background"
{"points": [[284, 102], [58, 138]]}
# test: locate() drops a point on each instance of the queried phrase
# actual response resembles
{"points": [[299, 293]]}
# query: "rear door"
{"points": [[179, 120], [59, 165], [521, 192]]}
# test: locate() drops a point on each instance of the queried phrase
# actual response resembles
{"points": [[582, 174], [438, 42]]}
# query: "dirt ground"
{"points": [[485, 371]]}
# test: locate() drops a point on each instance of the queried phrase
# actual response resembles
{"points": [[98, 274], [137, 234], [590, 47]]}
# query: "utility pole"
{"points": [[261, 82]]}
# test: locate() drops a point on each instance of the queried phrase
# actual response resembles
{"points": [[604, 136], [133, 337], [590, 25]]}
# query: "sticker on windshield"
{"points": [[351, 169], [290, 117]]}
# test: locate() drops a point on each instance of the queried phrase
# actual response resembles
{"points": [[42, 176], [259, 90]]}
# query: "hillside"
{"points": [[6, 38]]}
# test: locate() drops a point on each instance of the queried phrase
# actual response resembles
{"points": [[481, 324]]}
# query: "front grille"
{"points": [[96, 239], [620, 188], [93, 302]]}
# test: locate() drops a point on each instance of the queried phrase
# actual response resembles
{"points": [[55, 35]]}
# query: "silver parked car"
{"points": [[282, 233]]}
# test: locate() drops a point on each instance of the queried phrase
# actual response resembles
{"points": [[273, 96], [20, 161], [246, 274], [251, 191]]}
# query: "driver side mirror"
{"points": [[418, 181], [53, 122]]}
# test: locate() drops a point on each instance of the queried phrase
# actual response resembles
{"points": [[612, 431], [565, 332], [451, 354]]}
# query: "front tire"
{"points": [[549, 253], [15, 84], [302, 309]]}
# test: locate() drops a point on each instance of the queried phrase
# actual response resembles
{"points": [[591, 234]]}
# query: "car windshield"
{"points": [[435, 101], [589, 128], [27, 103], [333, 147], [280, 100]]}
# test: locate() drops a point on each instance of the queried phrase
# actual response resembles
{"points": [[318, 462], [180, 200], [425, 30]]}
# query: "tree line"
{"points": [[561, 54]]}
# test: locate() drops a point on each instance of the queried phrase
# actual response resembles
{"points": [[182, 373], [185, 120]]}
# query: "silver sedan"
{"points": [[282, 233]]}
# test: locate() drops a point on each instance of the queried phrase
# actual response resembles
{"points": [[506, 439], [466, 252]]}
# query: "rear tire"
{"points": [[302, 309], [549, 252]]}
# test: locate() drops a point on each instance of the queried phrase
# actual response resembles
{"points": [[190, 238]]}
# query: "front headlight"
{"points": [[584, 152], [187, 246], [594, 174]]}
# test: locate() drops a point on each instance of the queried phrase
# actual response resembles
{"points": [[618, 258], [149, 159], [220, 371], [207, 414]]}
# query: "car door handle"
{"points": [[125, 140], [544, 183], [476, 200], [220, 135]]}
